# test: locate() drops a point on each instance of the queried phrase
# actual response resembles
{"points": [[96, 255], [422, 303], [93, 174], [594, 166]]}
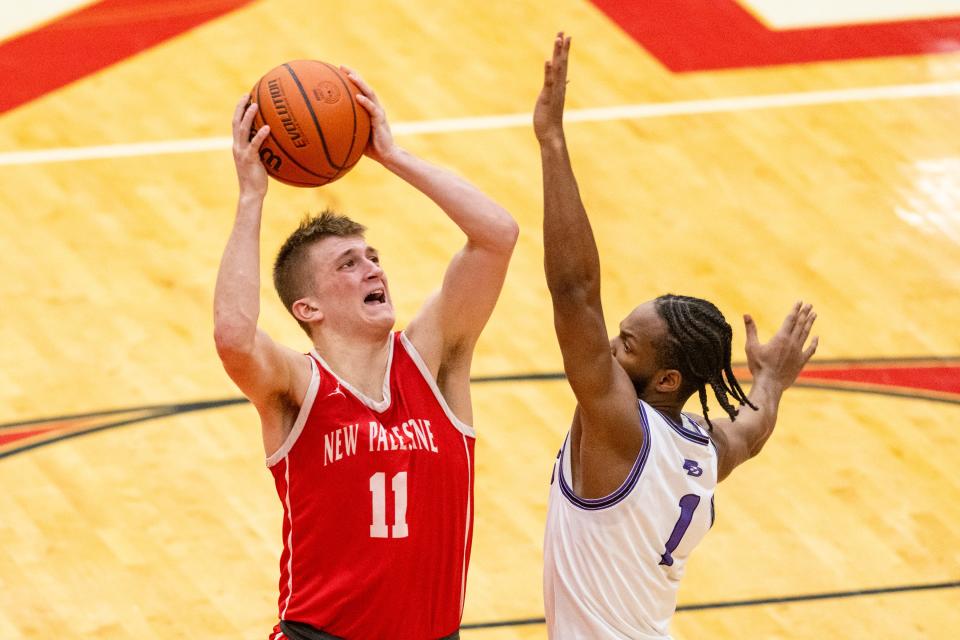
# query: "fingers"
{"points": [[806, 325], [812, 349], [258, 139], [802, 319], [367, 98], [241, 126], [751, 328], [238, 111], [376, 113], [247, 120], [555, 69], [791, 319], [361, 83], [548, 112], [561, 49], [564, 52]]}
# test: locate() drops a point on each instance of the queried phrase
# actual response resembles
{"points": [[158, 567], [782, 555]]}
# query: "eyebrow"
{"points": [[627, 334], [346, 253], [353, 250]]}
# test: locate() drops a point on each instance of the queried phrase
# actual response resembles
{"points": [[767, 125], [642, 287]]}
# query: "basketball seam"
{"points": [[280, 146], [316, 122], [285, 153], [353, 107]]}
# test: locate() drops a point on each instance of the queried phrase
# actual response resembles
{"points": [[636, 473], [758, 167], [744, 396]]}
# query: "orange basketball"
{"points": [[318, 130]]}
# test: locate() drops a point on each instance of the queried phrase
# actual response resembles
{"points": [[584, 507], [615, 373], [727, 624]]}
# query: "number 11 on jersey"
{"points": [[378, 487]]}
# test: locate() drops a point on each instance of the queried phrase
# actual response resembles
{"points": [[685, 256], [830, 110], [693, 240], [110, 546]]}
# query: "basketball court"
{"points": [[746, 151]]}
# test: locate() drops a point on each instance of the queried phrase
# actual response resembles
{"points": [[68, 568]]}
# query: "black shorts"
{"points": [[301, 631]]}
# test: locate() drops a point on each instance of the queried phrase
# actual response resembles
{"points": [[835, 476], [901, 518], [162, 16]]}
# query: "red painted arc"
{"points": [[50, 429], [940, 378], [693, 35], [92, 38], [944, 379], [6, 438]]}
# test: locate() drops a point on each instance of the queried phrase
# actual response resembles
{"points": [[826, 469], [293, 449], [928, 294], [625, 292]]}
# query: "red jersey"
{"points": [[378, 506]]}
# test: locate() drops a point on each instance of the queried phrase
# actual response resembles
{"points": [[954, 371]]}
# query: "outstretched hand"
{"points": [[548, 114], [381, 144], [782, 358], [246, 149]]}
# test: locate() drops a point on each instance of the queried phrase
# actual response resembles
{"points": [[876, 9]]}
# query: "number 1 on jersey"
{"points": [[378, 487], [688, 504]]}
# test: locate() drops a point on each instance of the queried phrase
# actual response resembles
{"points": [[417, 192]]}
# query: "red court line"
{"points": [[13, 434], [944, 379], [94, 37], [6, 438], [937, 379], [697, 35]]}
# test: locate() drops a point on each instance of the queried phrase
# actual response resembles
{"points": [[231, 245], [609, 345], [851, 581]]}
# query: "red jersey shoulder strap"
{"points": [[405, 346], [305, 407]]}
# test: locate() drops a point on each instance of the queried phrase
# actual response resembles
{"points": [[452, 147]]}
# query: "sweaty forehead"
{"points": [[332, 247], [645, 321]]}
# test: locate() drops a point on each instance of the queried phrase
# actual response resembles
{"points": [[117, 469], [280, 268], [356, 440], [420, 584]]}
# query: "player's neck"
{"points": [[668, 406], [360, 362]]}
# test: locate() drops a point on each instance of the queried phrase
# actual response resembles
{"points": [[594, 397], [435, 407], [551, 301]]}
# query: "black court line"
{"points": [[154, 412], [730, 604], [830, 595], [520, 377], [161, 410], [533, 377]]}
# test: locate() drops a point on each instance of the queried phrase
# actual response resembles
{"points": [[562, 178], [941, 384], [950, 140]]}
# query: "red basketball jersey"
{"points": [[378, 506]]}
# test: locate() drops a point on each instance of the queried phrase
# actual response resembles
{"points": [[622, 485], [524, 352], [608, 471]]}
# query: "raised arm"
{"points": [[267, 373], [450, 323], [572, 264], [775, 367]]}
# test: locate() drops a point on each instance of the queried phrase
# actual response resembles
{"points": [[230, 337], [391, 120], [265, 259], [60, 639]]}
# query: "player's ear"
{"points": [[306, 310], [668, 380]]}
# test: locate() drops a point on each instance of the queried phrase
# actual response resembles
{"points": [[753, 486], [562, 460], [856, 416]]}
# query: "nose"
{"points": [[376, 270]]}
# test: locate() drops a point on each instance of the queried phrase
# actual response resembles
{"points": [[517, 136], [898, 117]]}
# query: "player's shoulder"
{"points": [[699, 421], [423, 334], [689, 429]]}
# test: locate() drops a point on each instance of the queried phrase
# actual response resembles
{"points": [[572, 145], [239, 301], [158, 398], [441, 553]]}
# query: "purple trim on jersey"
{"points": [[716, 452], [696, 425], [687, 434], [594, 504]]}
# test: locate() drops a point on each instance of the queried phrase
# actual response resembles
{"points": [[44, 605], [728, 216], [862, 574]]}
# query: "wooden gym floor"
{"points": [[752, 174]]}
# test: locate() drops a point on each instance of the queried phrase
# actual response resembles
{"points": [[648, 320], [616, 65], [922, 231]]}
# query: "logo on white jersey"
{"points": [[692, 467]]}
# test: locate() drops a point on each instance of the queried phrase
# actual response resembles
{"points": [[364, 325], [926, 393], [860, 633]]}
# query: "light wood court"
{"points": [[756, 184]]}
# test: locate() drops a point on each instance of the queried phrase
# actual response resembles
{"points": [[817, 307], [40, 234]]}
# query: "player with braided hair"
{"points": [[632, 489], [698, 345]]}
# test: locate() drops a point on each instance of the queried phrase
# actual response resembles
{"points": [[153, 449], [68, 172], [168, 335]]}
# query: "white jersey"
{"points": [[612, 566]]}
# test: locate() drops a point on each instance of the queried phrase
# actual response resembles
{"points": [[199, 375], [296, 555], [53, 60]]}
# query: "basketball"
{"points": [[318, 130]]}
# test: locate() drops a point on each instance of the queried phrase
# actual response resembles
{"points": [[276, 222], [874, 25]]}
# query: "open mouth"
{"points": [[377, 296]]}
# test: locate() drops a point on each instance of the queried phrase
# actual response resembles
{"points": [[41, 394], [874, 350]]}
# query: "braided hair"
{"points": [[698, 346]]}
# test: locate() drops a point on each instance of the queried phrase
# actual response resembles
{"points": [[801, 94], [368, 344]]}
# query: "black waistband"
{"points": [[302, 631]]}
